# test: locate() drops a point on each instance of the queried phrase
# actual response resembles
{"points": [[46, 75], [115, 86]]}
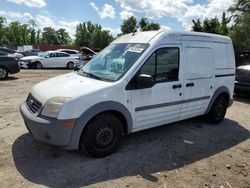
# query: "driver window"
{"points": [[162, 65], [167, 64]]}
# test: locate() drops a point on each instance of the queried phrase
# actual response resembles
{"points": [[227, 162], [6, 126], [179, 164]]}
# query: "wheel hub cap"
{"points": [[104, 136], [2, 73]]}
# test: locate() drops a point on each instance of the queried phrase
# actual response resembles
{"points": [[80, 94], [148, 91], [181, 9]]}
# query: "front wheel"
{"points": [[3, 73], [218, 110], [102, 136]]}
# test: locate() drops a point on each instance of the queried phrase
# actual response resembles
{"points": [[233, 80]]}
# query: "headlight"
{"points": [[53, 106]]}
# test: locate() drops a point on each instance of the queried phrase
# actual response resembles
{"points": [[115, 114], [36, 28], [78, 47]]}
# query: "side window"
{"points": [[167, 64], [163, 65]]}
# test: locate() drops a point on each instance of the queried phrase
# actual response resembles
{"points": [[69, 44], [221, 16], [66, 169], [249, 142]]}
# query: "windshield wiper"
{"points": [[90, 75]]}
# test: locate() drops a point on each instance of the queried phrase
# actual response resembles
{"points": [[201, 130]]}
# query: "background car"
{"points": [[87, 53], [31, 52], [242, 79], [11, 53], [49, 59], [8, 65], [73, 53]]}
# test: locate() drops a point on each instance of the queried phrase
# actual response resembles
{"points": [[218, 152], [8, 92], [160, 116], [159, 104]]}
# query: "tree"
{"points": [[2, 22], [224, 22], [240, 8], [212, 25], [145, 25], [38, 37], [49, 36], [129, 25], [92, 35], [32, 26], [197, 25], [241, 29], [62, 36]]}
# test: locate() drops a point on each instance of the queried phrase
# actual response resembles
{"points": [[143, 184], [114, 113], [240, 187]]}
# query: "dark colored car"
{"points": [[242, 79], [8, 65], [32, 52], [7, 50]]}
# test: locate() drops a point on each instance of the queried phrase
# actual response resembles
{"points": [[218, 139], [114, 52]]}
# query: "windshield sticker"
{"points": [[135, 49]]}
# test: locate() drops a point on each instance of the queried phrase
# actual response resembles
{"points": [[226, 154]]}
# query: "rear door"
{"points": [[198, 78]]}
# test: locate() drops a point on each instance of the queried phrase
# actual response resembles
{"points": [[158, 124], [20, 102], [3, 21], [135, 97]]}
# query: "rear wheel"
{"points": [[70, 65], [218, 110], [3, 73], [38, 65], [102, 136]]}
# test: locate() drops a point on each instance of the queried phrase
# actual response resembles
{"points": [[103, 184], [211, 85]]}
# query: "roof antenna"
{"points": [[135, 30]]}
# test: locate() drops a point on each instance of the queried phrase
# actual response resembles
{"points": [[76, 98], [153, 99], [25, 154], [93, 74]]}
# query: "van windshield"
{"points": [[112, 62]]}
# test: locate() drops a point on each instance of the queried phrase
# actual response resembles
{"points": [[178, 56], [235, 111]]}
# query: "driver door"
{"points": [[160, 104]]}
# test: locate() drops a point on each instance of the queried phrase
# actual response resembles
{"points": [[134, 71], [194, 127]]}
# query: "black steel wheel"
{"points": [[218, 110], [102, 135]]}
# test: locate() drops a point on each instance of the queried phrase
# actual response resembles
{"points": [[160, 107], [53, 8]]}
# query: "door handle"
{"points": [[177, 86], [190, 84]]}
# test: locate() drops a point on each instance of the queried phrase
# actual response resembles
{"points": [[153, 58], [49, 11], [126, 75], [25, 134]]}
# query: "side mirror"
{"points": [[144, 81]]}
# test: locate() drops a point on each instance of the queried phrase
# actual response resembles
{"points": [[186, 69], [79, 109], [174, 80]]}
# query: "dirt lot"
{"points": [[190, 153]]}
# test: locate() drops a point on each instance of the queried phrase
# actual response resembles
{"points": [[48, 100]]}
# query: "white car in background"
{"points": [[73, 53], [49, 59]]}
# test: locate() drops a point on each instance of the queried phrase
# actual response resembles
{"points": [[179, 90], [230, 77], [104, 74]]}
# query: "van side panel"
{"points": [[198, 77], [224, 66]]}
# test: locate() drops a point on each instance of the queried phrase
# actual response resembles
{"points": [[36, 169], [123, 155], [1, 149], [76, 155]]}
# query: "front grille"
{"points": [[33, 104]]}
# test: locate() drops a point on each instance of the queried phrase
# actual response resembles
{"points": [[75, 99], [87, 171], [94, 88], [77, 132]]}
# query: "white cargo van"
{"points": [[141, 80]]}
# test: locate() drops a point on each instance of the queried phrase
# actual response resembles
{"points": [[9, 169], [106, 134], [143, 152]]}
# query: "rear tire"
{"points": [[70, 65], [38, 65], [4, 73], [102, 136], [218, 110]]}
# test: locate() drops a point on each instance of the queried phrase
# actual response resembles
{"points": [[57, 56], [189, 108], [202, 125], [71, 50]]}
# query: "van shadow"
{"points": [[160, 149]]}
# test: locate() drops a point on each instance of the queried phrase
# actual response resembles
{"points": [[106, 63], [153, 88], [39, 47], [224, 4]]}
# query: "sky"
{"points": [[173, 15]]}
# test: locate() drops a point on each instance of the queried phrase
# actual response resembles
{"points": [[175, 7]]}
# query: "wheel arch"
{"points": [[223, 90], [112, 107], [3, 66]]}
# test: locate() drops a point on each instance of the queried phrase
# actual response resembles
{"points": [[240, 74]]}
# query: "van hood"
{"points": [[67, 85]]}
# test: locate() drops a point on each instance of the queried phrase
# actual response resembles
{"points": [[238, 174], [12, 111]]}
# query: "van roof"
{"points": [[164, 36]]}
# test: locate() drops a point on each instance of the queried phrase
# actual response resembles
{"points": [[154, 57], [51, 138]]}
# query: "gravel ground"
{"points": [[190, 153]]}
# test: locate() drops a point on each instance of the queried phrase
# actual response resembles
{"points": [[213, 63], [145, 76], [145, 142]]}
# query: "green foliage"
{"points": [[145, 25], [16, 34], [129, 25], [212, 25], [197, 26], [92, 35], [240, 31]]}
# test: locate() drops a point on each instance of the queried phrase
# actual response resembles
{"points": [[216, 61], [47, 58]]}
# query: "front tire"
{"points": [[218, 110], [102, 136], [4, 73]]}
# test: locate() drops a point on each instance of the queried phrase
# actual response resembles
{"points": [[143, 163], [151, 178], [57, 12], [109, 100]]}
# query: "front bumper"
{"points": [[241, 87], [48, 130], [23, 64]]}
